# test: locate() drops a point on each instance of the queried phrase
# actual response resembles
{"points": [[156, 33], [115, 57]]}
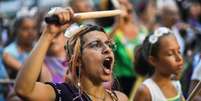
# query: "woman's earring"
{"points": [[78, 74], [79, 96]]}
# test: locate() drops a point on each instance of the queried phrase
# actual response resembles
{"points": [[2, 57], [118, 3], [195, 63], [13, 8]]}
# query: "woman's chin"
{"points": [[106, 78]]}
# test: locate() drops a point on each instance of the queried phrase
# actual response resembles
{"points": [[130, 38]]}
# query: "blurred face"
{"points": [[150, 11], [27, 33], [57, 45], [97, 56], [169, 60], [170, 16], [195, 10], [127, 7], [82, 6]]}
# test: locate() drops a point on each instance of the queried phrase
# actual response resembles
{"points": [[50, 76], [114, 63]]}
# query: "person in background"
{"points": [[146, 11], [194, 20], [15, 54], [106, 22], [24, 31], [196, 77], [55, 61], [82, 6], [193, 47], [195, 14], [127, 34], [4, 36], [169, 15], [160, 52]]}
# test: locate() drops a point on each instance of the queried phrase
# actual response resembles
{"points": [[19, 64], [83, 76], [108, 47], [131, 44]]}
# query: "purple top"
{"points": [[57, 68]]}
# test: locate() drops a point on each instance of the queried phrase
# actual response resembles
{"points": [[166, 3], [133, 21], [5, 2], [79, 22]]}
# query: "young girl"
{"points": [[161, 52]]}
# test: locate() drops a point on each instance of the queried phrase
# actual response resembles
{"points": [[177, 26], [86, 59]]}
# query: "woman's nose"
{"points": [[106, 49]]}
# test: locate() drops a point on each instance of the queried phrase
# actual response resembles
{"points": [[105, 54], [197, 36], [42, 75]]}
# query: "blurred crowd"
{"points": [[19, 34]]}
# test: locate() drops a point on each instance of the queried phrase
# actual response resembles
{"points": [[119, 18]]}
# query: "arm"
{"points": [[142, 94], [33, 66], [26, 85], [119, 21], [10, 61], [45, 75]]}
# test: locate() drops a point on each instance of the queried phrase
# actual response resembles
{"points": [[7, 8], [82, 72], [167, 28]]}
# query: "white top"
{"points": [[156, 93], [197, 72]]}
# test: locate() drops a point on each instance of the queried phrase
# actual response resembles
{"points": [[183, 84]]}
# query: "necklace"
{"points": [[96, 97], [112, 95]]}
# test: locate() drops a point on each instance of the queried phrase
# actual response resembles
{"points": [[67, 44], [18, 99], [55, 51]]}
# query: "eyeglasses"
{"points": [[100, 45]]}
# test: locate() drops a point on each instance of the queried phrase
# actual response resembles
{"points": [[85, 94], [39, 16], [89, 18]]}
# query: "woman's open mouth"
{"points": [[107, 65]]}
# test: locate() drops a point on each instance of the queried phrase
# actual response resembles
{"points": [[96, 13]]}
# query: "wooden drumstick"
{"points": [[97, 14], [86, 15], [194, 92]]}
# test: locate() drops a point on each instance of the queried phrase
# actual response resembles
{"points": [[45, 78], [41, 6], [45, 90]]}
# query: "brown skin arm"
{"points": [[45, 75], [119, 22], [142, 94], [10, 61], [26, 85], [15, 64]]}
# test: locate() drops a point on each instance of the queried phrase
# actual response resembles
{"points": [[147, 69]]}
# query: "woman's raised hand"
{"points": [[26, 85], [65, 16]]}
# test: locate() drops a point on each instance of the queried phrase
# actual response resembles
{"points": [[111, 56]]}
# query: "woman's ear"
{"points": [[152, 60]]}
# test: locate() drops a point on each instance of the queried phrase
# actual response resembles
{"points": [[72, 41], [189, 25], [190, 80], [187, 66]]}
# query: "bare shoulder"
{"points": [[121, 96], [142, 94], [41, 92]]}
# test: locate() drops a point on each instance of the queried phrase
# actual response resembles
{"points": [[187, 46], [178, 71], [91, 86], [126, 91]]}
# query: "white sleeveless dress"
{"points": [[157, 94]]}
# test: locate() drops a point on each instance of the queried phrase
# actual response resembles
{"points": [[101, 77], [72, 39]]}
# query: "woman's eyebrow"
{"points": [[97, 40], [108, 41]]}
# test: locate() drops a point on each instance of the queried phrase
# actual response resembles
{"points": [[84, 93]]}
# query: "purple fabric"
{"points": [[57, 68]]}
